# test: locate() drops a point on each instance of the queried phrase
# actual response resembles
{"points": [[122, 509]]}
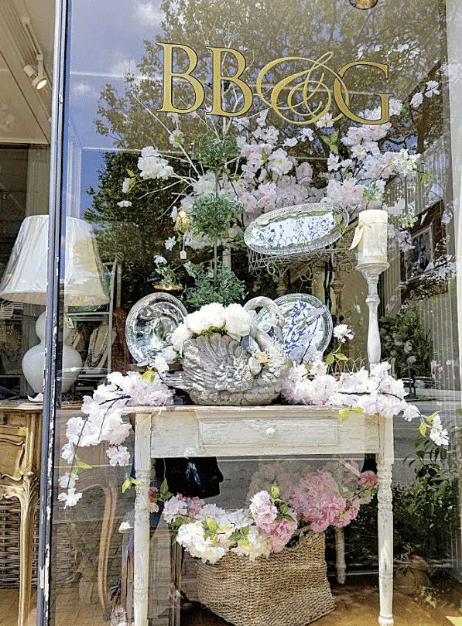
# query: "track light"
{"points": [[37, 74], [363, 4]]}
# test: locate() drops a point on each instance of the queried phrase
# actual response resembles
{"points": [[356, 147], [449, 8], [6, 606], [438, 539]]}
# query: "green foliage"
{"points": [[425, 513], [218, 284], [128, 482], [240, 535], [214, 153], [403, 337], [212, 215], [163, 493], [136, 232]]}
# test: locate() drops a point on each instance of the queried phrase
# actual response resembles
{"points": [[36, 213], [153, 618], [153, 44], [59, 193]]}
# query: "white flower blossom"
{"points": [[68, 480], [179, 336], [438, 434], [173, 508], [170, 243], [432, 88], [70, 498], [208, 316], [126, 185], [325, 121], [237, 321], [118, 455], [279, 163], [290, 142], [342, 332], [306, 134], [152, 165], [161, 364], [416, 100]]}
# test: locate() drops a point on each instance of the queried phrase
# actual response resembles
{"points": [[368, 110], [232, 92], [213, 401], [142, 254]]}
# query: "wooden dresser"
{"points": [[20, 441]]}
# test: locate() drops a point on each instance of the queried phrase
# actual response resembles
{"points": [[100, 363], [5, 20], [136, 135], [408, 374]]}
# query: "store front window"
{"points": [[258, 285]]}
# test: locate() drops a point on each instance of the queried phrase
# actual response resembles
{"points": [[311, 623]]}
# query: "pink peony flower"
{"points": [[263, 510], [280, 534]]}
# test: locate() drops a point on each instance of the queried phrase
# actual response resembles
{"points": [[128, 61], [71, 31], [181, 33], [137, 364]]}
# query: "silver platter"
{"points": [[150, 325]]}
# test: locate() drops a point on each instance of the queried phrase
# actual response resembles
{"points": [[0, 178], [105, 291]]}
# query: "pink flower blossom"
{"points": [[280, 534], [368, 479], [317, 501], [263, 510]]}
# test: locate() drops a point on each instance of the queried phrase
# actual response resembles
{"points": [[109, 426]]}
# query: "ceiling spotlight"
{"points": [[363, 4], [37, 74]]}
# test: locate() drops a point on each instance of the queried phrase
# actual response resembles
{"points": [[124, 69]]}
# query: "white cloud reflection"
{"points": [[148, 13]]}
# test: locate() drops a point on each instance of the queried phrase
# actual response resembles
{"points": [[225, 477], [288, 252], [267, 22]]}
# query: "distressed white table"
{"points": [[234, 431]]}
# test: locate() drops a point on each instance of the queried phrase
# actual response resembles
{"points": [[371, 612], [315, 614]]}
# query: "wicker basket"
{"points": [[289, 588], [64, 568]]}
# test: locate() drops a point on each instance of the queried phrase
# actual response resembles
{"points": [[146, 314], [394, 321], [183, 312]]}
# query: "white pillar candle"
{"points": [[371, 236]]}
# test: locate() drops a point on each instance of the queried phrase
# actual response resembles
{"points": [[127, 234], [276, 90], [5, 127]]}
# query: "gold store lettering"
{"points": [[302, 97]]}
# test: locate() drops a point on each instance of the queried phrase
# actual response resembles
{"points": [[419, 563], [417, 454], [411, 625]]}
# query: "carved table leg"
{"points": [[141, 528], [28, 498], [385, 522]]}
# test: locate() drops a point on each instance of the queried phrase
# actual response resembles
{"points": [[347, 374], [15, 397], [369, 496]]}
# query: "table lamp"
{"points": [[25, 280]]}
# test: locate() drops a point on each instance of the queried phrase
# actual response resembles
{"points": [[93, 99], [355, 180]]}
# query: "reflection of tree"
{"points": [[406, 343], [270, 29], [137, 232]]}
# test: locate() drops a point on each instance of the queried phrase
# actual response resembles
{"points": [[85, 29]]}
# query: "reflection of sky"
{"points": [[105, 44], [106, 36]]}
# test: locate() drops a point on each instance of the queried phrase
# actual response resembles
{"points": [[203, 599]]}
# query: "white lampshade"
{"points": [[25, 277], [25, 280]]}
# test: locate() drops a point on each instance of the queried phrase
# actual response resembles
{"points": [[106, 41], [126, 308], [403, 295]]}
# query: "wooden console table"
{"points": [[20, 441], [269, 431], [20, 444]]}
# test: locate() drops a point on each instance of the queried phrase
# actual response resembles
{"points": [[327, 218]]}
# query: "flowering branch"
{"points": [[105, 422]]}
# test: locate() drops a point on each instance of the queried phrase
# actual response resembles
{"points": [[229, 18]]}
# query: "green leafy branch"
{"points": [[335, 356], [214, 153], [281, 505], [163, 493], [213, 215]]}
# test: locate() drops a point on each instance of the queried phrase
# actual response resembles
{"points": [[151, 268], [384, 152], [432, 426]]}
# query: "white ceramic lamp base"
{"points": [[33, 362]]}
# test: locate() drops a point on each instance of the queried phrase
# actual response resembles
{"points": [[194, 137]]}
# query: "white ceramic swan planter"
{"points": [[218, 369]]}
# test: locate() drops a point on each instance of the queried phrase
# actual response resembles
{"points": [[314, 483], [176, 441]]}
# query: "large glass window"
{"points": [[221, 158], [26, 59]]}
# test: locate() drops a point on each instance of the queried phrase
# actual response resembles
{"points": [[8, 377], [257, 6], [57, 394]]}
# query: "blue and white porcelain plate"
{"points": [[307, 329]]}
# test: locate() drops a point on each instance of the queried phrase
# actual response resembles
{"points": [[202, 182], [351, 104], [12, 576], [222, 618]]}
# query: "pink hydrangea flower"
{"points": [[317, 501], [368, 479]]}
